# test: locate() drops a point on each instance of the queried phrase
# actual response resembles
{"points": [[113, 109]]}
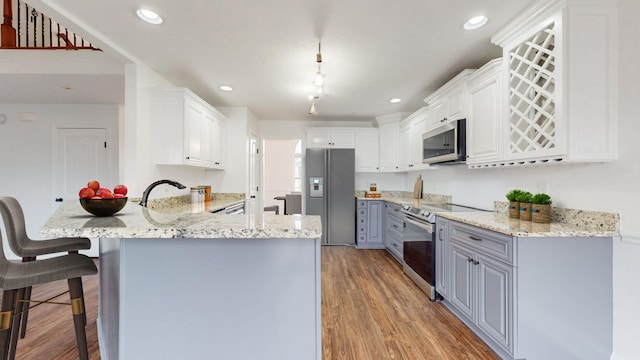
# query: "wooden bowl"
{"points": [[103, 207]]}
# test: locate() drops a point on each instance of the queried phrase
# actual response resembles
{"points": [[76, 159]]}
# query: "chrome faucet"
{"points": [[145, 194]]}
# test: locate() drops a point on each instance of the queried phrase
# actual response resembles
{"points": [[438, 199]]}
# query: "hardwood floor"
{"points": [[370, 311]]}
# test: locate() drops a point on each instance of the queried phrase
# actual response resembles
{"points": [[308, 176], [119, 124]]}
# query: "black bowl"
{"points": [[103, 207]]}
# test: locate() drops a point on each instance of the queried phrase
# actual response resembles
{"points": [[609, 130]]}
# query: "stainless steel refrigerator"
{"points": [[330, 193]]}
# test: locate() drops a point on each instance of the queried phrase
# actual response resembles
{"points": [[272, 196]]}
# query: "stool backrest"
{"points": [[14, 225]]}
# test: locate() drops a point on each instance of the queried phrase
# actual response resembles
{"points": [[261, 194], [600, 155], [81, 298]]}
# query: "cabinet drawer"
{"points": [[395, 226], [362, 213], [488, 242], [396, 247], [362, 204], [362, 229]]}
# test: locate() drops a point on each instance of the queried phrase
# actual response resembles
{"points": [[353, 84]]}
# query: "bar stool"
{"points": [[29, 249], [15, 276]]}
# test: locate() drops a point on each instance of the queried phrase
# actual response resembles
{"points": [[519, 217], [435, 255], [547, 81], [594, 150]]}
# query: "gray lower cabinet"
{"points": [[529, 297], [369, 224], [442, 253], [394, 227]]}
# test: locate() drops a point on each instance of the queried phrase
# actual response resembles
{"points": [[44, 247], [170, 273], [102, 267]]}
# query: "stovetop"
{"points": [[427, 211]]}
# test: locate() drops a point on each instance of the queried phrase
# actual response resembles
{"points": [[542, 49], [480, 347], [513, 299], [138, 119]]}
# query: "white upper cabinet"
{"points": [[331, 138], [560, 59], [486, 124], [367, 151], [389, 127], [186, 129], [449, 102]]}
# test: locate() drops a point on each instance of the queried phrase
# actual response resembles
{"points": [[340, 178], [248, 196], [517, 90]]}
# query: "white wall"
{"points": [[26, 154], [278, 170]]}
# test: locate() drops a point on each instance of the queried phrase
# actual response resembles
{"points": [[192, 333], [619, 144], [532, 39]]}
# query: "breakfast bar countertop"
{"points": [[179, 221]]}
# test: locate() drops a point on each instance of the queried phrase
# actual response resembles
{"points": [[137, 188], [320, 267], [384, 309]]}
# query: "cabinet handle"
{"points": [[476, 262], [474, 238], [395, 226], [440, 234], [469, 259]]}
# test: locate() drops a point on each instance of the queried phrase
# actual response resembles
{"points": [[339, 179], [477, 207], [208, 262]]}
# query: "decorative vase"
{"points": [[514, 209], [525, 211], [541, 213]]}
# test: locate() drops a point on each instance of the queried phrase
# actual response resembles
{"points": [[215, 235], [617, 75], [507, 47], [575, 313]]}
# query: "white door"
{"points": [[79, 155]]}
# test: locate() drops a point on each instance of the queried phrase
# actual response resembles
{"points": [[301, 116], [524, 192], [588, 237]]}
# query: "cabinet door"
{"points": [[218, 142], [442, 257], [389, 135], [374, 226], [485, 121], [343, 140], [194, 116], [367, 150], [462, 290], [419, 128], [438, 109], [456, 103], [495, 300], [318, 139], [405, 147]]}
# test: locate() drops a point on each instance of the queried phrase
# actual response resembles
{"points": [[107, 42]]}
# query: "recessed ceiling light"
{"points": [[225, 88], [475, 22], [395, 100], [149, 16]]}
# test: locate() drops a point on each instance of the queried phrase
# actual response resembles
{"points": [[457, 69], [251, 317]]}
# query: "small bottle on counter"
{"points": [[195, 194]]}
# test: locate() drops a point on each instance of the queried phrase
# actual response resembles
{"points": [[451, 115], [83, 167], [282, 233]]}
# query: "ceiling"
{"points": [[372, 50]]}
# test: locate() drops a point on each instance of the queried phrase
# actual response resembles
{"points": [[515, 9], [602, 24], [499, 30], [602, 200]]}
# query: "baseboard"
{"points": [[616, 357]]}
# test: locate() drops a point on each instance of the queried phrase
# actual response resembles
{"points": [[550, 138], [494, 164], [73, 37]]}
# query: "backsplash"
{"points": [[602, 220], [428, 198]]}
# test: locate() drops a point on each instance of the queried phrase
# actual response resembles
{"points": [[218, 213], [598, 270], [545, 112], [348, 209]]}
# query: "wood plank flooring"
{"points": [[370, 311]]}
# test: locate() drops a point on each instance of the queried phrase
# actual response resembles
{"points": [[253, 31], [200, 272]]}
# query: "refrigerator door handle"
{"points": [[327, 190]]}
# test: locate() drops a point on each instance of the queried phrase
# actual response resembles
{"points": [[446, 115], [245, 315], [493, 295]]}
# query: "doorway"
{"points": [[282, 174]]}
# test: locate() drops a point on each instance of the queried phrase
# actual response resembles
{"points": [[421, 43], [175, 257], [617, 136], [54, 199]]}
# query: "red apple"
{"points": [[106, 195], [86, 193], [93, 185], [119, 196], [120, 189]]}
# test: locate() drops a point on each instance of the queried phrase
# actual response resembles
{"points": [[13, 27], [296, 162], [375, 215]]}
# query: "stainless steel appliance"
{"points": [[446, 144], [419, 250], [330, 193]]}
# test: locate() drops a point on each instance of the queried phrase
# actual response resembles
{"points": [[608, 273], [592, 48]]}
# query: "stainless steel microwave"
{"points": [[445, 144]]}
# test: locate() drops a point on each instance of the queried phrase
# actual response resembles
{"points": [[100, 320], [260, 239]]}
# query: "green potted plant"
{"points": [[524, 198], [514, 205], [541, 208]]}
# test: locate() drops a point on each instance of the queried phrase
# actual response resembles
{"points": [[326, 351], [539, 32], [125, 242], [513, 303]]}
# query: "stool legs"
{"points": [[77, 309], [6, 315], [15, 326]]}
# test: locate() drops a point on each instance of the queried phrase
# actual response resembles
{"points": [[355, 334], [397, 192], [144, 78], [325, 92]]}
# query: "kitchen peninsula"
{"points": [[184, 285]]}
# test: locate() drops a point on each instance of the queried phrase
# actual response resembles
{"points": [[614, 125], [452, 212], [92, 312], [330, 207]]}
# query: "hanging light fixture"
{"points": [[318, 83], [312, 109]]}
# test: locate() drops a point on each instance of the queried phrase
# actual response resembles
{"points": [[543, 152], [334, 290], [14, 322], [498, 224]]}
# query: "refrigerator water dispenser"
{"points": [[315, 187]]}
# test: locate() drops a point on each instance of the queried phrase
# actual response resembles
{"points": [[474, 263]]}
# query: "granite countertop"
{"points": [[500, 222], [566, 222], [179, 221]]}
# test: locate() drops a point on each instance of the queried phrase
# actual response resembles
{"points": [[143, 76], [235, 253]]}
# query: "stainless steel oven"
{"points": [[419, 252]]}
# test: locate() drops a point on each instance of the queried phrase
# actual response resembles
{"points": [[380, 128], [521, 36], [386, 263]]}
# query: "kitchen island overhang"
{"points": [[202, 286]]}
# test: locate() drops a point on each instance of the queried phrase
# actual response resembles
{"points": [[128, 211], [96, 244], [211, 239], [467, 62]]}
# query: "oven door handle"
{"points": [[424, 226]]}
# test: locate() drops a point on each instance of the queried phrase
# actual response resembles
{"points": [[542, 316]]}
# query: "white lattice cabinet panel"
{"points": [[532, 90], [560, 66]]}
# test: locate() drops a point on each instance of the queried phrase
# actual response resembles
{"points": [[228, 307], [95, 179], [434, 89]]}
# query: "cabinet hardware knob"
{"points": [[474, 238], [469, 259], [476, 262], [440, 235], [59, 199]]}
